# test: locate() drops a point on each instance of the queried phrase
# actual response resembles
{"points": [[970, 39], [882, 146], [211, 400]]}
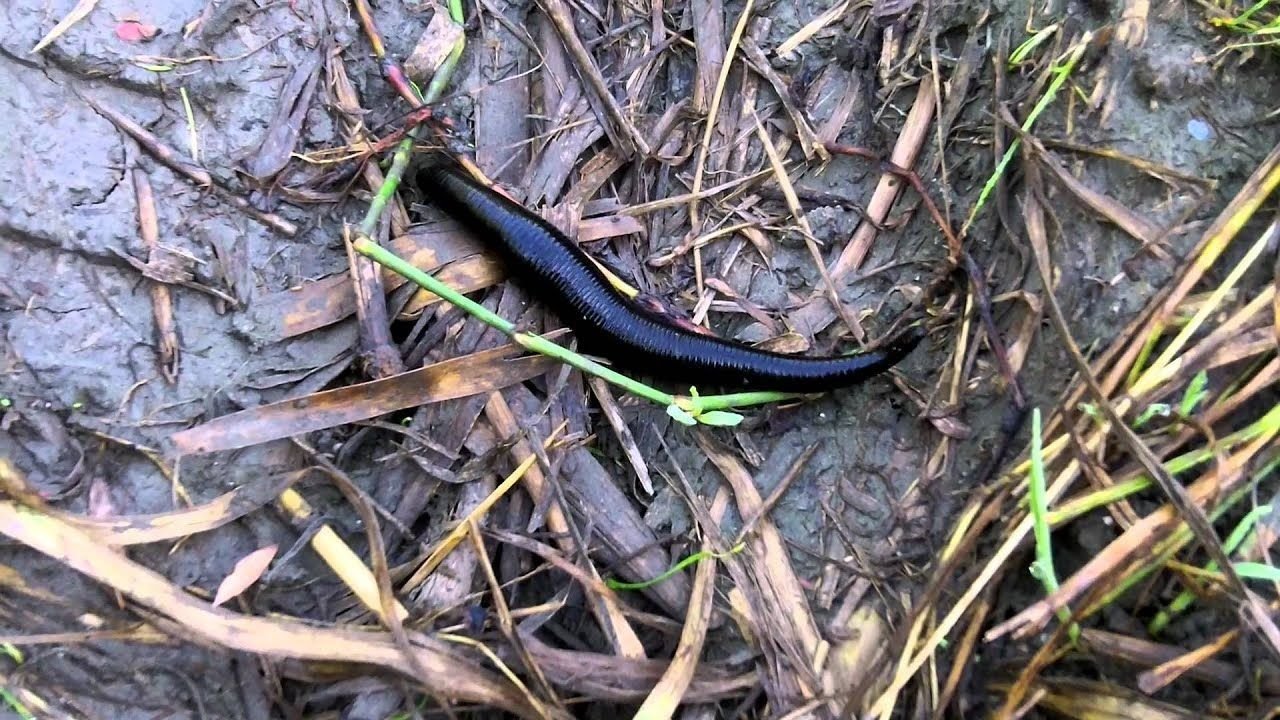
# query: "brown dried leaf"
{"points": [[708, 43], [315, 305], [1135, 224], [285, 128], [434, 45], [447, 380], [246, 572], [608, 226], [886, 11], [248, 496], [465, 276], [788, 343], [100, 505]]}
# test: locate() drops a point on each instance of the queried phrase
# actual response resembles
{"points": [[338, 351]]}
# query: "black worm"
{"points": [[611, 325]]}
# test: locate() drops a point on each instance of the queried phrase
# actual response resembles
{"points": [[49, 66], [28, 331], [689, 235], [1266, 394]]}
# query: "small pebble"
{"points": [[1199, 129]]}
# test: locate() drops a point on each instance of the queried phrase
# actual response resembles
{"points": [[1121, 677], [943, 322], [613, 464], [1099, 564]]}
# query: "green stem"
{"points": [[404, 151], [1060, 75], [696, 557], [546, 347], [700, 408], [1163, 552], [1037, 497], [1233, 541]]}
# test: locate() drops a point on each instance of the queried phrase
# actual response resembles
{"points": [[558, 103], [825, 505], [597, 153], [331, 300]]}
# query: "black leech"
{"points": [[609, 324]]}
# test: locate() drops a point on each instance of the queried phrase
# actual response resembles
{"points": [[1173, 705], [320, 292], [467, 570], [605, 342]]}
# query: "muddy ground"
{"points": [[84, 391]]}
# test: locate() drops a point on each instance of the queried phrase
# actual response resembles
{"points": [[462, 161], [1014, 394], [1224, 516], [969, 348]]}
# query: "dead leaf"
{"points": [[251, 493], [433, 47], [951, 426], [285, 126], [135, 31], [100, 505], [245, 573], [447, 380], [321, 303]]}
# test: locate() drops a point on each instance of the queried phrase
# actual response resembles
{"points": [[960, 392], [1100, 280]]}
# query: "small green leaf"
{"points": [[1196, 392], [1257, 571], [615, 584], [681, 415], [1023, 51], [1152, 410], [720, 418], [12, 651]]}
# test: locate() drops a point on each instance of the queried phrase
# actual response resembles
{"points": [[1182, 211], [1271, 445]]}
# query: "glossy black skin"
{"points": [[609, 324]]}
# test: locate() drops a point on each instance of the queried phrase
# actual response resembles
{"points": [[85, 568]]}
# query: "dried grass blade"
{"points": [[448, 380], [708, 44], [142, 529], [507, 624], [1218, 482], [1137, 226], [450, 674], [78, 13], [621, 132], [1188, 503], [704, 148], [1012, 541], [905, 151], [613, 414], [793, 204], [459, 531], [169, 349], [604, 607], [786, 602], [1170, 670], [812, 28], [805, 134], [1210, 306], [666, 695], [345, 563]]}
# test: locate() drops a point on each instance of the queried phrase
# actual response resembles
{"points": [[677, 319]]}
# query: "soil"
{"points": [[83, 390]]}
